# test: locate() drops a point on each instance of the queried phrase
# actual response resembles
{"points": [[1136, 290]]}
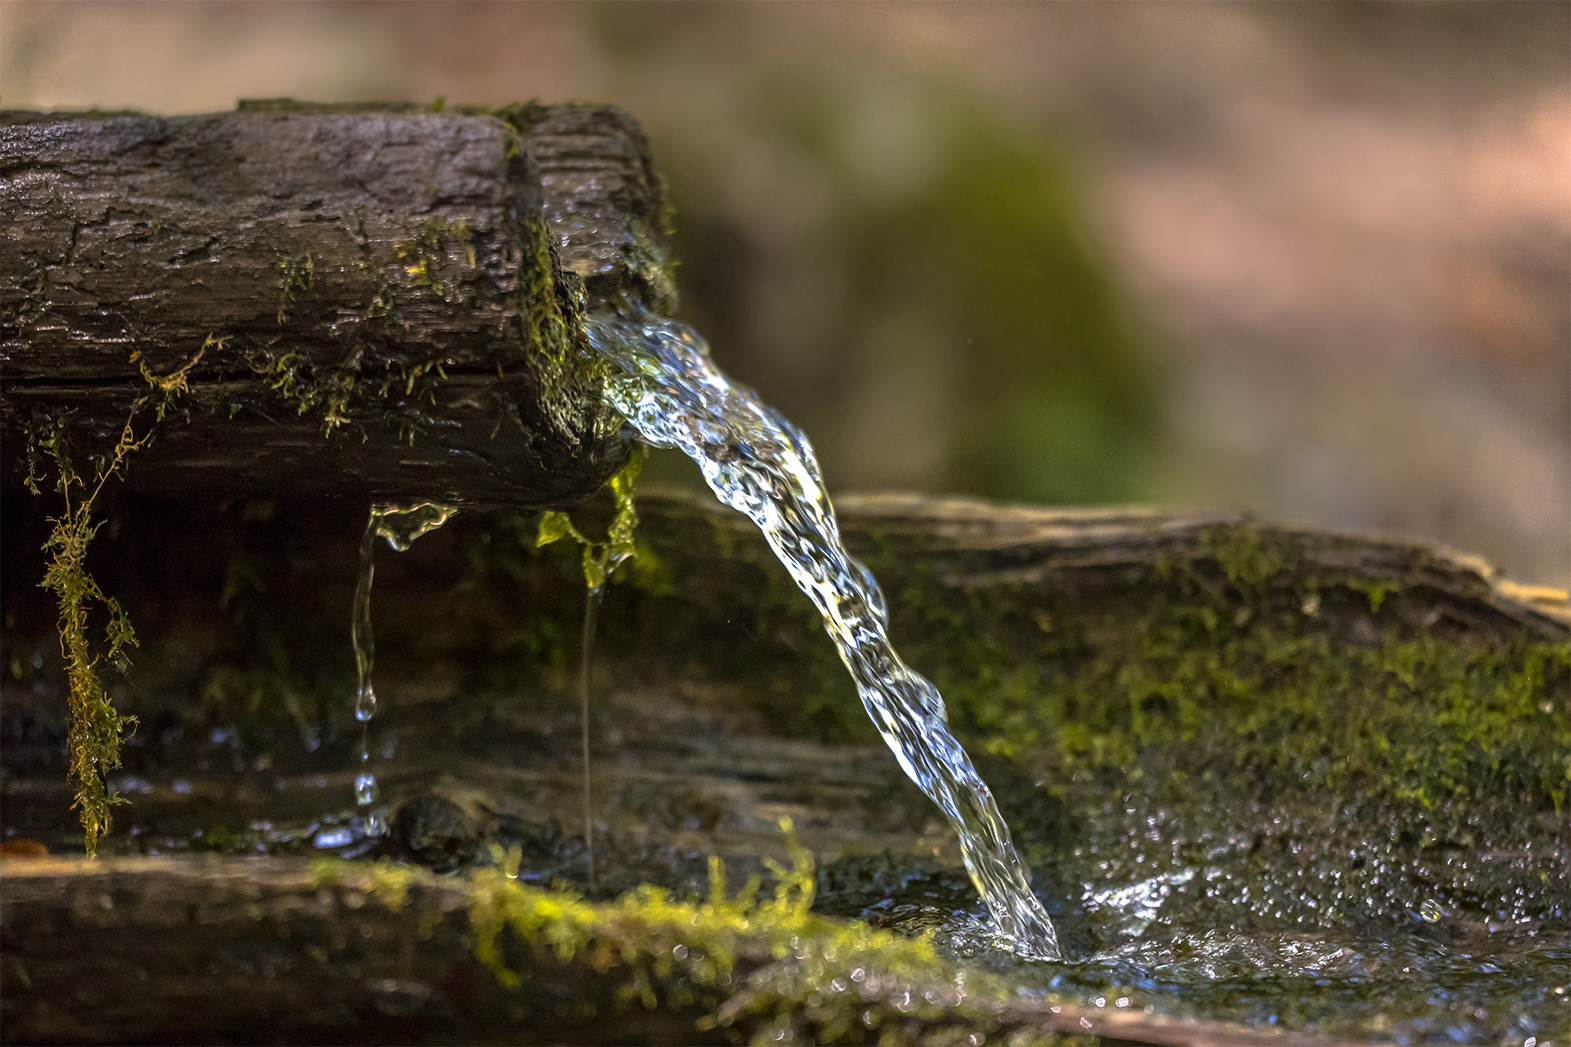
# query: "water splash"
{"points": [[400, 525], [760, 464]]}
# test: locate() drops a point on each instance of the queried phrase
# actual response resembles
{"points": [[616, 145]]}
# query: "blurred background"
{"points": [[1313, 260]]}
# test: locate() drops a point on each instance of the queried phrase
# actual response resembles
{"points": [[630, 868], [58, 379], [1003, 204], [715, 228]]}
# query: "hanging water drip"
{"points": [[399, 525], [600, 561], [592, 597]]}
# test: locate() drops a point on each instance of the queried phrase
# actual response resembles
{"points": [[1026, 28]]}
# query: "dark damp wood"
{"points": [[694, 753], [273, 951], [372, 301]]}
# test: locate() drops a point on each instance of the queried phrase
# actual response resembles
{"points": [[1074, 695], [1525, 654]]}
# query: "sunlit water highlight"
{"points": [[400, 525], [760, 464]]}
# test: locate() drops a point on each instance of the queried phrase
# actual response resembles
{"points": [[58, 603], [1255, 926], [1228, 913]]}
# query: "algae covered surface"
{"points": [[1259, 780], [1258, 784]]}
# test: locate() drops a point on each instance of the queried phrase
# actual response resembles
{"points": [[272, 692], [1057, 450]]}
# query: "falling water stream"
{"points": [[760, 464], [400, 525], [586, 656]]}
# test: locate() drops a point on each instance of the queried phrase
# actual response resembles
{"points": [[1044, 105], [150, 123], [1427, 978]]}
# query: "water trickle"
{"points": [[400, 525], [760, 464], [585, 687], [601, 559]]}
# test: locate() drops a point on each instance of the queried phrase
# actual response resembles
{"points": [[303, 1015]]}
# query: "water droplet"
{"points": [[1431, 911], [365, 703]]}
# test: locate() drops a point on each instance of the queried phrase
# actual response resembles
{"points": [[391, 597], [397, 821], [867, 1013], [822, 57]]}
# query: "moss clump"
{"points": [[308, 386], [1259, 689], [1249, 558], [299, 273], [1232, 683], [171, 386], [763, 966], [750, 965]]}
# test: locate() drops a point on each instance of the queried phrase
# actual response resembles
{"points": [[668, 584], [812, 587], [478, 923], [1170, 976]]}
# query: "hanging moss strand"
{"points": [[96, 728]]}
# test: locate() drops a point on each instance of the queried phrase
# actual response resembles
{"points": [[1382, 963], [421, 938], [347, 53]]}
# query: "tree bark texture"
{"points": [[362, 301]]}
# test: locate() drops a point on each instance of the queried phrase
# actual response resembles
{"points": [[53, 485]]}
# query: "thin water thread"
{"points": [[364, 641], [592, 596], [400, 525]]}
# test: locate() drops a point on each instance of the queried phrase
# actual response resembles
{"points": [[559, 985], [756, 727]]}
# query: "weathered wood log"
{"points": [[274, 951], [365, 301], [1307, 739]]}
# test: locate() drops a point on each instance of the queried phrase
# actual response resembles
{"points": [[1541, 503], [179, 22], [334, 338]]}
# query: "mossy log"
{"points": [[363, 301], [286, 951], [1304, 739]]}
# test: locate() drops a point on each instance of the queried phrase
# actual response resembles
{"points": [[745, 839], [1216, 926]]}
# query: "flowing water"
{"points": [[758, 463], [400, 525], [592, 597]]}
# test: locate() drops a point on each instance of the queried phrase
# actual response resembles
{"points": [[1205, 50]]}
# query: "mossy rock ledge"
{"points": [[1260, 772]]}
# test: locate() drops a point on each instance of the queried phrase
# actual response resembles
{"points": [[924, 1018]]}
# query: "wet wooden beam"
{"points": [[274, 950], [373, 301]]}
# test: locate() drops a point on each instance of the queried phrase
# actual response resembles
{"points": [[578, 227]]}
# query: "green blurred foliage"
{"points": [[956, 328]]}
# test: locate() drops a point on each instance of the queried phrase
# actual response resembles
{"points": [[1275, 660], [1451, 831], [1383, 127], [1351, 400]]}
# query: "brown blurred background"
{"points": [[1310, 259]]}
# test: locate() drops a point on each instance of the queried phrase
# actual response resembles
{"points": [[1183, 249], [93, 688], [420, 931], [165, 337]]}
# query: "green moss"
{"points": [[762, 965], [1249, 559], [1409, 719], [426, 251], [342, 393], [299, 273], [546, 311], [1375, 591], [521, 116], [755, 963], [170, 387], [1252, 685], [333, 391], [96, 727], [653, 266]]}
